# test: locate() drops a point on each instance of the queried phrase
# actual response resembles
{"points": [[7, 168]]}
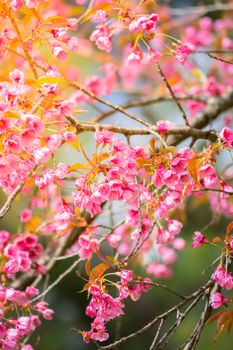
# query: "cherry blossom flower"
{"points": [[199, 239], [217, 300]]}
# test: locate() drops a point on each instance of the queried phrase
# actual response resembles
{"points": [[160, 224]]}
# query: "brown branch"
{"points": [[147, 102], [213, 190], [192, 341], [20, 38], [159, 285], [140, 243], [171, 331], [152, 347], [183, 132], [219, 59], [109, 104], [173, 95], [7, 206], [57, 281], [193, 296], [215, 106], [88, 8]]}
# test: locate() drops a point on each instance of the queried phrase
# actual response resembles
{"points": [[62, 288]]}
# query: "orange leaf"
{"points": [[52, 80], [193, 167], [224, 321], [77, 166], [104, 6], [88, 267], [11, 115], [58, 20], [214, 317], [229, 229], [98, 271], [74, 144], [217, 239], [85, 287]]}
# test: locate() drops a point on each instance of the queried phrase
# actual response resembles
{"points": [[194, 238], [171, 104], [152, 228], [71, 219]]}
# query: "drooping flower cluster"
{"points": [[223, 278], [14, 328], [103, 307]]}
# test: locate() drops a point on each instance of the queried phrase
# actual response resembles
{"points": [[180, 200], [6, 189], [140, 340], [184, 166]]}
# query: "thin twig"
{"points": [[150, 101], [109, 104], [173, 95], [58, 280], [7, 205], [219, 59], [152, 347], [213, 190], [171, 331], [157, 318], [159, 285], [20, 38], [88, 8]]}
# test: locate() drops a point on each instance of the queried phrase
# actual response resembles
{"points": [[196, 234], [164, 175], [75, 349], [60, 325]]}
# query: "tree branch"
{"points": [[157, 318], [183, 132], [148, 102], [215, 106], [173, 95]]}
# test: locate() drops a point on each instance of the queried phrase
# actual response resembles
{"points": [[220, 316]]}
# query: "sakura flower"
{"points": [[153, 56], [30, 3], [31, 291], [199, 239], [223, 278], [144, 23], [179, 243], [164, 125], [100, 16], [183, 51], [27, 347], [174, 226], [135, 56], [26, 215], [102, 38], [159, 270], [17, 76], [217, 300], [231, 244], [227, 135], [104, 136], [126, 276], [48, 314], [24, 324], [59, 53]]}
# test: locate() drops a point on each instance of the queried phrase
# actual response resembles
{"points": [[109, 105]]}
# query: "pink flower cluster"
{"points": [[199, 239], [144, 23], [223, 278], [22, 252], [14, 329], [102, 38], [163, 190], [227, 136], [103, 307], [217, 300], [183, 51]]}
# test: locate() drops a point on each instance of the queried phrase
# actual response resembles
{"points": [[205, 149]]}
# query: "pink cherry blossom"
{"points": [[217, 300], [227, 136], [199, 239]]}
